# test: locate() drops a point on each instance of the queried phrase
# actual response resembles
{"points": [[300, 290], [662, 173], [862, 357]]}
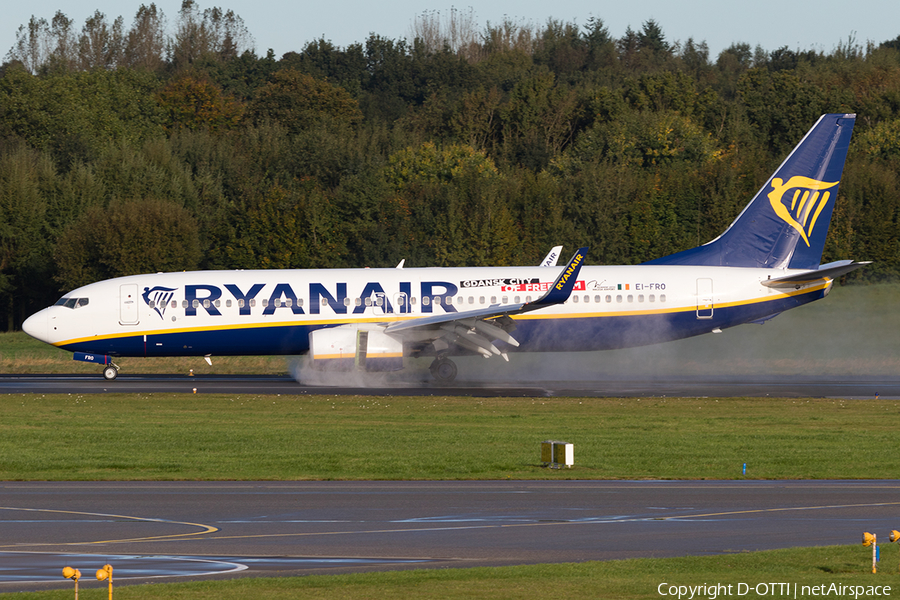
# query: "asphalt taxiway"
{"points": [[165, 531]]}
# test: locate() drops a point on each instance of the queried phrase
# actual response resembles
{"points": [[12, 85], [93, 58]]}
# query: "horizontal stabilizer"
{"points": [[827, 271]]}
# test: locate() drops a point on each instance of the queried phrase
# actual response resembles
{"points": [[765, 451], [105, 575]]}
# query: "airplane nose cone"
{"points": [[37, 326]]}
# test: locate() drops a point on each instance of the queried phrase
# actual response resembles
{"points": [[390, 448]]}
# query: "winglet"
{"points": [[561, 289], [552, 257]]}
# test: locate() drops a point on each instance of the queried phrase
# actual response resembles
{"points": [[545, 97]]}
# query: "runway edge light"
{"points": [[74, 575], [895, 536], [106, 573], [869, 539]]}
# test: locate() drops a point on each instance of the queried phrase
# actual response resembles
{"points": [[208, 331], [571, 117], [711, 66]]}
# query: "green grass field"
{"points": [[626, 579], [224, 437]]}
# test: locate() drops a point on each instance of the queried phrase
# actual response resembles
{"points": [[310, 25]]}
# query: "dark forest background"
{"points": [[169, 144]]}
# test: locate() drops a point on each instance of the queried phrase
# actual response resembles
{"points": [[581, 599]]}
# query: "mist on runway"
{"points": [[854, 331]]}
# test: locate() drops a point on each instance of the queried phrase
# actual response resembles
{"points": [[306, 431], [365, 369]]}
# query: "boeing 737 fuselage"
{"points": [[373, 319]]}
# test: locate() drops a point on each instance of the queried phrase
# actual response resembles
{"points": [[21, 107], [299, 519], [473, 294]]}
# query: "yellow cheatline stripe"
{"points": [[392, 318], [206, 529], [349, 355], [690, 308]]}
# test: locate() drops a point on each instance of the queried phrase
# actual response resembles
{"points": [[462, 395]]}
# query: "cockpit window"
{"points": [[72, 302]]}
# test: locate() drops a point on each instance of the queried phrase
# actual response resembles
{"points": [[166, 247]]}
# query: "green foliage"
{"points": [[645, 139], [296, 101], [483, 148], [75, 115], [24, 173], [782, 105], [194, 102], [881, 141], [127, 238]]}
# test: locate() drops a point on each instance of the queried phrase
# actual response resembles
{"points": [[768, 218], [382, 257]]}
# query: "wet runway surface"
{"points": [[167, 531], [758, 385]]}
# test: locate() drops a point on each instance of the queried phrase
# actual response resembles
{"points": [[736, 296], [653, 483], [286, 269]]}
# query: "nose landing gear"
{"points": [[110, 372]]}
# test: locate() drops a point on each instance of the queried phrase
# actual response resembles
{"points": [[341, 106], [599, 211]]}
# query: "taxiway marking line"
{"points": [[206, 529]]}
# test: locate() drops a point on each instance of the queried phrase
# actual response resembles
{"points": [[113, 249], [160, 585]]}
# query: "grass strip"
{"points": [[767, 574], [119, 437]]}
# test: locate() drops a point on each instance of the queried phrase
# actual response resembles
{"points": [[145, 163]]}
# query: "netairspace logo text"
{"points": [[774, 590]]}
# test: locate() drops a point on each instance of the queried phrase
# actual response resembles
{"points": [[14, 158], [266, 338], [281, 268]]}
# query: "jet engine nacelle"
{"points": [[362, 347]]}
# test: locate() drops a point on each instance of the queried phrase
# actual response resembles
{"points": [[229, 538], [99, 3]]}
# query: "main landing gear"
{"points": [[443, 370]]}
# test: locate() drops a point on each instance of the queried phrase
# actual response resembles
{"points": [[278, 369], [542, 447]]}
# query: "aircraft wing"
{"points": [[471, 329], [827, 271]]}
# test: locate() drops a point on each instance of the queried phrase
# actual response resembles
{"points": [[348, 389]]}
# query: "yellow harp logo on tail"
{"points": [[808, 200]]}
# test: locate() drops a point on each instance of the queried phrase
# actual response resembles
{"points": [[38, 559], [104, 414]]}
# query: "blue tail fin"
{"points": [[785, 224]]}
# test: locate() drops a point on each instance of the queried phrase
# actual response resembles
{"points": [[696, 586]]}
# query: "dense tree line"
{"points": [[158, 147]]}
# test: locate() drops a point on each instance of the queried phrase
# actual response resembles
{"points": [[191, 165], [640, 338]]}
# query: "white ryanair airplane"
{"points": [[766, 262]]}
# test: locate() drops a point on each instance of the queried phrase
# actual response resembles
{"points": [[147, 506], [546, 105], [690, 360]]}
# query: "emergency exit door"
{"points": [[128, 304]]}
